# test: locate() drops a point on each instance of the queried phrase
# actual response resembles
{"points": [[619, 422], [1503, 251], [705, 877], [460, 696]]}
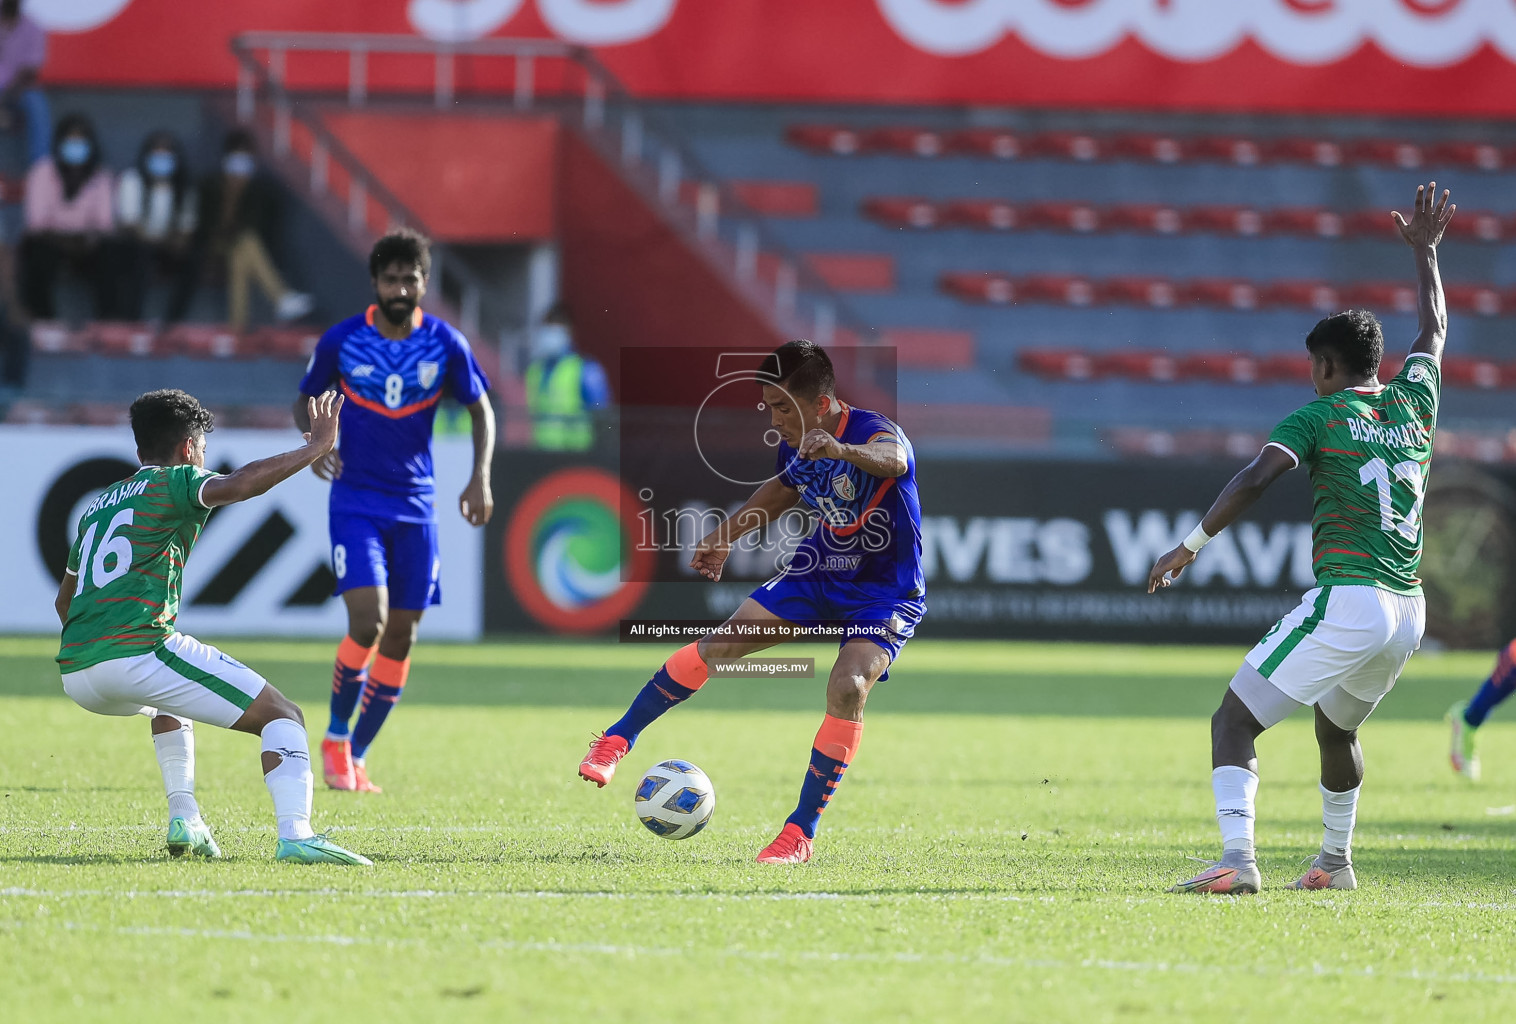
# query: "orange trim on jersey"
{"points": [[842, 423], [372, 311], [858, 523], [384, 410]]}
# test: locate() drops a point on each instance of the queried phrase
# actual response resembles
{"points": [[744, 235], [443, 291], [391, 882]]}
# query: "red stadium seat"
{"points": [[979, 287], [1480, 156], [995, 143], [1057, 288], [1076, 217], [1160, 149], [1369, 224], [1150, 366], [1405, 155], [1223, 220], [902, 212], [203, 341], [1156, 292], [1303, 221], [1471, 373], [1321, 152], [778, 198], [1227, 149], [1067, 146], [1381, 296], [1315, 295], [989, 214], [1476, 227], [1391, 365], [1162, 220], [1226, 367], [55, 338], [1292, 368], [1223, 293], [832, 139], [1471, 298], [904, 141], [854, 271], [929, 347], [119, 339], [289, 343], [1061, 364]]}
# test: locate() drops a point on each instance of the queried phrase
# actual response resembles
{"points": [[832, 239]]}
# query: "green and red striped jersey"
{"points": [[129, 558], [1368, 451]]}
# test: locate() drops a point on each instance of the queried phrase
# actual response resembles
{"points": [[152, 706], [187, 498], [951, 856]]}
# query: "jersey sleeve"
{"points": [[464, 377], [323, 368], [1420, 379], [1298, 433], [74, 554], [594, 389], [784, 456], [184, 483]]}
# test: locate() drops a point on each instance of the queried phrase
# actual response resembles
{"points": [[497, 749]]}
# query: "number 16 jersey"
{"points": [[391, 389], [1368, 452]]}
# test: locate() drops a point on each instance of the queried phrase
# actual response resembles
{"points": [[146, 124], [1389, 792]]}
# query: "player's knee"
{"points": [[1231, 719], [847, 690], [365, 629], [1329, 733], [283, 707]]}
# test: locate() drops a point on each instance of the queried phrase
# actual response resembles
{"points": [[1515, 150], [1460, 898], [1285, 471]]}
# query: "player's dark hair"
{"points": [[163, 420], [1353, 337], [402, 245], [802, 368]]}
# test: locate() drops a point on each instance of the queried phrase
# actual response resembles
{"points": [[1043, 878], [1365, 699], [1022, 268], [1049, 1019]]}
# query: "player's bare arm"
{"points": [[1423, 232], [768, 503], [477, 502], [883, 458], [65, 596], [1236, 498], [329, 466], [255, 478]]}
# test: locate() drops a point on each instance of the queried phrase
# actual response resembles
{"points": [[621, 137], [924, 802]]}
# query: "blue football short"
{"points": [[872, 612], [370, 552]]}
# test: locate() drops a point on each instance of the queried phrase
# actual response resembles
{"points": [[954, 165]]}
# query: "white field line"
{"points": [[819, 956]]}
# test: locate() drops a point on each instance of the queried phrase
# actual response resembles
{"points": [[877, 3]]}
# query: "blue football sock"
{"points": [[660, 694], [1489, 695], [378, 701], [349, 675], [821, 779]]}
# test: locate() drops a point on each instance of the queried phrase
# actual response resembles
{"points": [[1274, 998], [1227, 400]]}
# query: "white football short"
{"points": [[1342, 648], [184, 678]]}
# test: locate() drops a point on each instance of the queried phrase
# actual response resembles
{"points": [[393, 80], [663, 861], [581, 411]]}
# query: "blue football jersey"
{"points": [[391, 389], [869, 528]]}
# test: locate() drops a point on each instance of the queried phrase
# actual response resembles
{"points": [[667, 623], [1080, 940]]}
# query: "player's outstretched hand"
{"points": [[476, 502], [819, 444], [710, 558], [1429, 219], [1167, 569], [322, 437]]}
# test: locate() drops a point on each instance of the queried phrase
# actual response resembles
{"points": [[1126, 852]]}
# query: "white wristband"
{"points": [[1197, 539]]}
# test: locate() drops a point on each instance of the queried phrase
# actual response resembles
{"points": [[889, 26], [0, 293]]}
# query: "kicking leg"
{"points": [[367, 609], [286, 758], [174, 743], [674, 683], [386, 682], [1465, 717], [858, 667]]}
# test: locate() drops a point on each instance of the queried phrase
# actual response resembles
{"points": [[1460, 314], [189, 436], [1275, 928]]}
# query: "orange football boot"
{"points": [[599, 765], [337, 764], [360, 779], [790, 847]]}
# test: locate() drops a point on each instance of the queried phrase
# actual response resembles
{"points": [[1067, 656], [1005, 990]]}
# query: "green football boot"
{"points": [[186, 837], [1462, 753], [317, 850]]}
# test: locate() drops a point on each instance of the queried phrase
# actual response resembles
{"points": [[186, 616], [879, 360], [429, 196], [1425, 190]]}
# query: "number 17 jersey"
{"points": [[1368, 452]]}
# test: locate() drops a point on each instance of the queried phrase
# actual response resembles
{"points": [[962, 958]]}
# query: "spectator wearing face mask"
{"points": [[157, 210], [68, 215], [239, 210], [23, 48], [563, 388]]}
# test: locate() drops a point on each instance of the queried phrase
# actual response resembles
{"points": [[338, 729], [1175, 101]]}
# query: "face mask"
{"points": [[161, 163], [550, 340], [239, 165], [74, 151]]}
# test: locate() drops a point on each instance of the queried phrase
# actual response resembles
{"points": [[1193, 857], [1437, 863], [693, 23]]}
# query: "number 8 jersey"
{"points": [[1368, 452], [391, 389]]}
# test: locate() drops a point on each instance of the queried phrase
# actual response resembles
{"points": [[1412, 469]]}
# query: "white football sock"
{"points": [[176, 760], [290, 782], [1339, 812], [1236, 790]]}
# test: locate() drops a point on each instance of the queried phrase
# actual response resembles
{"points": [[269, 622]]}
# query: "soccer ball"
{"points": [[675, 799]]}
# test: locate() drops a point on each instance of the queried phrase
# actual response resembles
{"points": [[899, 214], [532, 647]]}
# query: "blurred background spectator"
{"points": [[239, 208], [69, 218], [157, 211], [563, 388], [23, 48]]}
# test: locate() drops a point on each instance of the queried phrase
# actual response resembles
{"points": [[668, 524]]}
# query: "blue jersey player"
{"points": [[859, 572], [392, 364]]}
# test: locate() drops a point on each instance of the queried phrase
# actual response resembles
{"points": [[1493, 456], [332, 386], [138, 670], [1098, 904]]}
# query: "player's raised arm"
{"points": [[1422, 232], [256, 477], [1235, 498], [770, 501], [477, 503]]}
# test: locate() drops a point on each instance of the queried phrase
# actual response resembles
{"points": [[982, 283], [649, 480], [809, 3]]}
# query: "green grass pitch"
{"points": [[998, 851]]}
